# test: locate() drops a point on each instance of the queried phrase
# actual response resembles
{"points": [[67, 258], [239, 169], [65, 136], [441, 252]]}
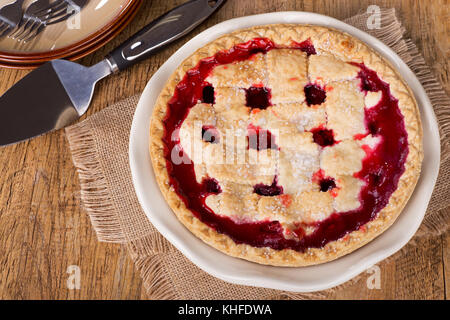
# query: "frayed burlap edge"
{"points": [[436, 93], [157, 284], [95, 196]]}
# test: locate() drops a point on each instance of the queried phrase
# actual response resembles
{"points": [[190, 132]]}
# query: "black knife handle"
{"points": [[161, 32]]}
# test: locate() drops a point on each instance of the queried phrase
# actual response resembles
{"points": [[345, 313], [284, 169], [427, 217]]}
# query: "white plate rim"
{"points": [[238, 271]]}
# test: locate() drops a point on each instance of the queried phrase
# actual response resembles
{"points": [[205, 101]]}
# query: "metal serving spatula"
{"points": [[60, 91]]}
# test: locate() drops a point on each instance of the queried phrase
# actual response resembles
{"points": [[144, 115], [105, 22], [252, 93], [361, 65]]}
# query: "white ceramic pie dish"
{"points": [[304, 279]]}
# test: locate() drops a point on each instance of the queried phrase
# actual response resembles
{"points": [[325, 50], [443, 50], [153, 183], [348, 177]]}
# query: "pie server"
{"points": [[59, 92]]}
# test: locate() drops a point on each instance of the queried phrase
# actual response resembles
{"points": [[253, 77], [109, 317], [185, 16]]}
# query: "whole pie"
{"points": [[287, 145]]}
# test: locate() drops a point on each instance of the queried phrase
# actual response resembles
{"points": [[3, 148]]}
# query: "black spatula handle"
{"points": [[161, 32]]}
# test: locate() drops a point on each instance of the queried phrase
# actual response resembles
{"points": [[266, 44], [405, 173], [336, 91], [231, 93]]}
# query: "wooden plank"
{"points": [[43, 229], [421, 262]]}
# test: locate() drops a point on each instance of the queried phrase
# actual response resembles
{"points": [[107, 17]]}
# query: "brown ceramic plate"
{"points": [[93, 39]]}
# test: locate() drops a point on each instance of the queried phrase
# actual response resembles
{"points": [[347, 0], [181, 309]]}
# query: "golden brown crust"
{"points": [[324, 39]]}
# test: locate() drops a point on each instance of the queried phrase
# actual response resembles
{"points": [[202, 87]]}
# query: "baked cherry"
{"points": [[323, 137], [257, 97], [373, 128], [255, 51], [268, 191], [314, 94], [211, 186], [327, 184], [208, 94], [305, 46]]}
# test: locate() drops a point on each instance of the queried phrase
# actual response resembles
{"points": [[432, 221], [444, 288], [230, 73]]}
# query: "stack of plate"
{"points": [[97, 23]]}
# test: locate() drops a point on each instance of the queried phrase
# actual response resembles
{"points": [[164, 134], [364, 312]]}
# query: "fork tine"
{"points": [[58, 15], [20, 29], [56, 10], [50, 7], [14, 33], [38, 31], [37, 26], [26, 30], [53, 18], [52, 14], [3, 25], [30, 30], [10, 16], [4, 31], [35, 34], [23, 24], [61, 19]]}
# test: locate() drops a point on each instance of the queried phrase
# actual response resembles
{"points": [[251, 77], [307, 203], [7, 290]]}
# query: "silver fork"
{"points": [[10, 17], [59, 10], [29, 21], [43, 13]]}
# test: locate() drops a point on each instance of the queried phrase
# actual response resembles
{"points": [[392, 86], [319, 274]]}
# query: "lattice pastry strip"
{"points": [[345, 109], [347, 193], [286, 69], [241, 74], [303, 117], [344, 158], [326, 68]]}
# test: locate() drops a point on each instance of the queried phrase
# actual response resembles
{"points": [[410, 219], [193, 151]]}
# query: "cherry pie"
{"points": [[286, 145]]}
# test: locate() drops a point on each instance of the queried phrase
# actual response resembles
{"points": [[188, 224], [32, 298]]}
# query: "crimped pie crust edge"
{"points": [[343, 46]]}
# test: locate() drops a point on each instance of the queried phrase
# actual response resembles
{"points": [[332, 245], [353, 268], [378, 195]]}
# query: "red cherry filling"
{"points": [[305, 46], [211, 186], [208, 95], [257, 97], [369, 78], [260, 139], [271, 227], [327, 184], [299, 232], [314, 94], [210, 134], [268, 191], [323, 137], [376, 178]]}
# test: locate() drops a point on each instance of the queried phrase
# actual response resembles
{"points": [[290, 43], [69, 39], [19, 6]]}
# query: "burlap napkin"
{"points": [[99, 148]]}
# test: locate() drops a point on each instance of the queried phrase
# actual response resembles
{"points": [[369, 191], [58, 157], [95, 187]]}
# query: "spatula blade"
{"points": [[35, 105]]}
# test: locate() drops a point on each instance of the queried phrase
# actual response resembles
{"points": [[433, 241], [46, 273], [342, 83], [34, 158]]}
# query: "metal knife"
{"points": [[59, 92]]}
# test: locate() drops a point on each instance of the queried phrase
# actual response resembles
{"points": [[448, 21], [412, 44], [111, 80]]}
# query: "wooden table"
{"points": [[43, 228]]}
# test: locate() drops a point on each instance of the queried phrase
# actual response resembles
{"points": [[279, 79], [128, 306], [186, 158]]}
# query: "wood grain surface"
{"points": [[43, 228]]}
